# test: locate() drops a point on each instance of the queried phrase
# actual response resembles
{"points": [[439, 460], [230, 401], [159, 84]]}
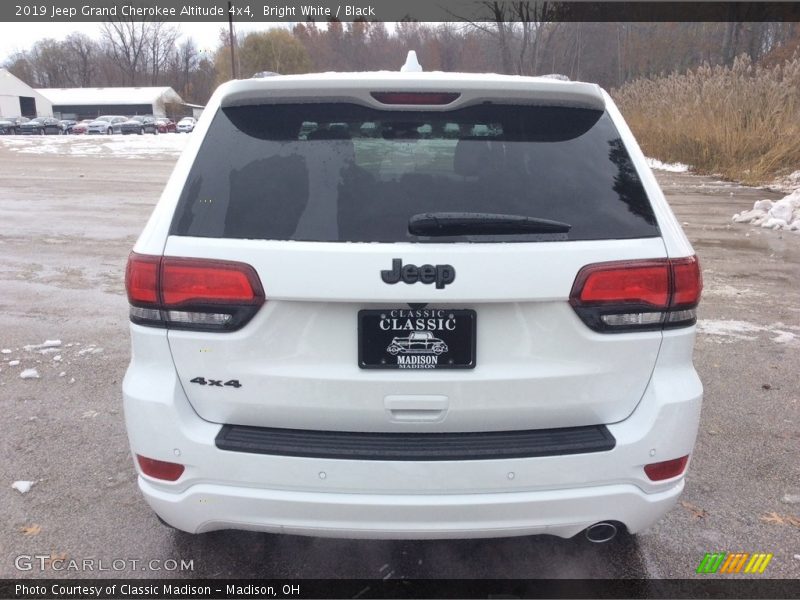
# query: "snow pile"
{"points": [[654, 163], [783, 214]]}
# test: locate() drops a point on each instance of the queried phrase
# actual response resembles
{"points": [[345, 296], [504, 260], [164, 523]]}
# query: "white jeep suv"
{"points": [[314, 219]]}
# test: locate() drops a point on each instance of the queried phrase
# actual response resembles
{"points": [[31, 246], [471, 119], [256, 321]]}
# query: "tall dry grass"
{"points": [[741, 121]]}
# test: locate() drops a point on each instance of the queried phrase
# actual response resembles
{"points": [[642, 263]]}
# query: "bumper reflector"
{"points": [[666, 469], [160, 469]]}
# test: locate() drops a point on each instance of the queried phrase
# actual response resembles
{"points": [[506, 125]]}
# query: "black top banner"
{"points": [[292, 11]]}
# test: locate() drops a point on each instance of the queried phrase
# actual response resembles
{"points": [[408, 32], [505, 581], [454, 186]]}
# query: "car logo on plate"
{"points": [[441, 275], [419, 342]]}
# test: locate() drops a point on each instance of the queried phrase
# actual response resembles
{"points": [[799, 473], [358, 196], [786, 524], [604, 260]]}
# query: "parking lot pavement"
{"points": [[68, 223]]}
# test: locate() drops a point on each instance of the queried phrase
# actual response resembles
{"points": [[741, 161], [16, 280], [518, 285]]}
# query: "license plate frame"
{"points": [[417, 339]]}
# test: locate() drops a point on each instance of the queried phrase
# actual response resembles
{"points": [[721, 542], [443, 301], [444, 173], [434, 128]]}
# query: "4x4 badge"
{"points": [[440, 274]]}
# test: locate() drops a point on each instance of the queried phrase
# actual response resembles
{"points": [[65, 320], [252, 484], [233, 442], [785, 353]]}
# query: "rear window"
{"points": [[347, 173]]}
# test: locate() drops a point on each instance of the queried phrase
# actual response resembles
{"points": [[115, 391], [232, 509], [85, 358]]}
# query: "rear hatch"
{"points": [[371, 324]]}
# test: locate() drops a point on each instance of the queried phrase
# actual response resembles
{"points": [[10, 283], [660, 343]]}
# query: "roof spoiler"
{"points": [[359, 87]]}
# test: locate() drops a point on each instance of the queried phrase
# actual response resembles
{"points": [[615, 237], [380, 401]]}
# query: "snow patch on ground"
{"points": [[784, 337], [729, 291], [125, 146], [734, 329], [90, 349], [728, 331], [62, 356], [23, 487], [654, 163], [43, 345], [786, 184], [781, 215]]}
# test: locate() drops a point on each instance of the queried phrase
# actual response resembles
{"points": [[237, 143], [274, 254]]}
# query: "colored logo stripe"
{"points": [[733, 563], [711, 562], [758, 563]]}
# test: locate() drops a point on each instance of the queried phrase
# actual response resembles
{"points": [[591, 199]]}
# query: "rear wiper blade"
{"points": [[469, 223]]}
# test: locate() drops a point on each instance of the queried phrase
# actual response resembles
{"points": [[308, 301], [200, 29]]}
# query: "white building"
{"points": [[86, 103], [18, 99]]}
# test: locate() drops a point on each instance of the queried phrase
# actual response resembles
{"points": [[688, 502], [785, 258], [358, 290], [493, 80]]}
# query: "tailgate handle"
{"points": [[416, 408]]}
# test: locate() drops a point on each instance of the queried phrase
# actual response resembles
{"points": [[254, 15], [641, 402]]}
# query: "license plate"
{"points": [[405, 338]]}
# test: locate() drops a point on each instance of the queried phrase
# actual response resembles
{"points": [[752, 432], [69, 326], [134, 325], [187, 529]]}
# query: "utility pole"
{"points": [[232, 40]]}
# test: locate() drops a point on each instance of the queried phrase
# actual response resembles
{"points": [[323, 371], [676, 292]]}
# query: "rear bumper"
{"points": [[564, 513], [559, 495]]}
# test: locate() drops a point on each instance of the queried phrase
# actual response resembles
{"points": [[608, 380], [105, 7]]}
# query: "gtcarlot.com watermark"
{"points": [[64, 564]]}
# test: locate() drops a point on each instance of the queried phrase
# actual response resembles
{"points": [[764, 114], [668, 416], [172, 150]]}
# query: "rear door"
{"points": [[318, 198]]}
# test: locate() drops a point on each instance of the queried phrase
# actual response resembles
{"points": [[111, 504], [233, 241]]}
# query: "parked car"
{"points": [[280, 267], [7, 127], [10, 125], [106, 125], [81, 127], [140, 124], [185, 125], [165, 125], [67, 125], [41, 126]]}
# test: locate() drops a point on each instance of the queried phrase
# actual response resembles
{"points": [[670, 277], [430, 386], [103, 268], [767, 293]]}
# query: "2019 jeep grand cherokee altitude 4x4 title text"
{"points": [[317, 225]]}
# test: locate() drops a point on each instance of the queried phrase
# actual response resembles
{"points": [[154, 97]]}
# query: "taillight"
{"points": [[638, 294], [416, 98], [191, 293], [141, 279], [667, 469], [160, 469]]}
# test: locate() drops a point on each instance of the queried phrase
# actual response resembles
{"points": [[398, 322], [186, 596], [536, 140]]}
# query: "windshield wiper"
{"points": [[468, 223]]}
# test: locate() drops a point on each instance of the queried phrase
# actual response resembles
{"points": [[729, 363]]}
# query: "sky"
{"points": [[23, 35]]}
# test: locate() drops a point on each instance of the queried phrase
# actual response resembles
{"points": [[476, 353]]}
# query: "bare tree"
{"points": [[519, 31], [161, 40], [83, 54], [20, 65], [501, 30], [128, 41], [186, 61]]}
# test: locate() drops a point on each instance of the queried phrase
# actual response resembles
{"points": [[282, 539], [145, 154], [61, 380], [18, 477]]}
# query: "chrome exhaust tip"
{"points": [[600, 533]]}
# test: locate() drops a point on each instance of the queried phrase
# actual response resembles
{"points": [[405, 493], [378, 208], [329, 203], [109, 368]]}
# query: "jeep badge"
{"points": [[441, 274]]}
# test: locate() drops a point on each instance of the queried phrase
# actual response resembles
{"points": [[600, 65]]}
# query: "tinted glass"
{"points": [[342, 172]]}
